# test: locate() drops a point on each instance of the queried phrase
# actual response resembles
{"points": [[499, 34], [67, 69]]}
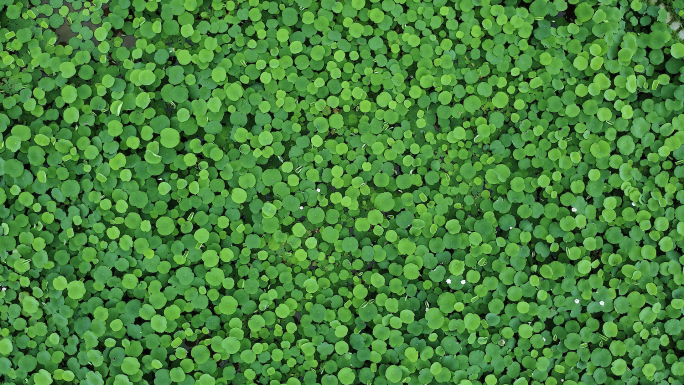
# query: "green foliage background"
{"points": [[340, 192]]}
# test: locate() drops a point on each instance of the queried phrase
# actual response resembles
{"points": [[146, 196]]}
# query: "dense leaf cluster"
{"points": [[345, 192]]}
